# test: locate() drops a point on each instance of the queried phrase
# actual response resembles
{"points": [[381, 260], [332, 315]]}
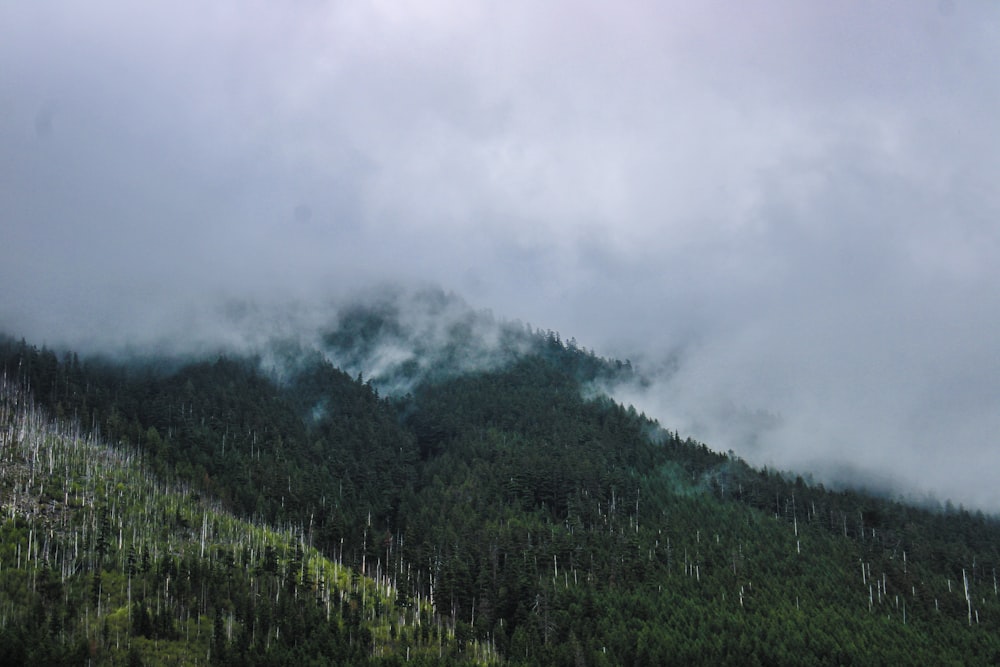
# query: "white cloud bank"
{"points": [[797, 200]]}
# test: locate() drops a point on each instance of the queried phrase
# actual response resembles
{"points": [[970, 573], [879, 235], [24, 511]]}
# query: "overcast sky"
{"points": [[798, 202]]}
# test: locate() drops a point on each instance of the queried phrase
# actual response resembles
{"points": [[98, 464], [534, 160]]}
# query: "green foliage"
{"points": [[132, 570], [491, 510]]}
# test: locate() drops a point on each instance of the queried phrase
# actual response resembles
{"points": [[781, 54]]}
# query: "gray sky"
{"points": [[796, 201]]}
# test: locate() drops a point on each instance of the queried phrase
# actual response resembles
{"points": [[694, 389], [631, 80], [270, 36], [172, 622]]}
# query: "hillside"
{"points": [[476, 467], [102, 563]]}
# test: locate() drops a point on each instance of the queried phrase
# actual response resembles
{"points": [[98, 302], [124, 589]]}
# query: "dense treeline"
{"points": [[101, 563], [559, 529]]}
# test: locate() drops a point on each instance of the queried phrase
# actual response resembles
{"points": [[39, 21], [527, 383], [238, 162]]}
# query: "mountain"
{"points": [[474, 472], [103, 563]]}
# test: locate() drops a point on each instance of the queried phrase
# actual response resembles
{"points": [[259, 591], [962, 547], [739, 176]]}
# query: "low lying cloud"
{"points": [[794, 205]]}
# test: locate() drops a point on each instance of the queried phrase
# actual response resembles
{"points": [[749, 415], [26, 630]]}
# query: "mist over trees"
{"points": [[390, 492]]}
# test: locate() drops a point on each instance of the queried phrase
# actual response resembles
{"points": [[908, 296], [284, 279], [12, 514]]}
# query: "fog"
{"points": [[786, 212]]}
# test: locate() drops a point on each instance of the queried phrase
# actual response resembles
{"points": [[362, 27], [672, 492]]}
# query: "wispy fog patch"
{"points": [[891, 420], [398, 337]]}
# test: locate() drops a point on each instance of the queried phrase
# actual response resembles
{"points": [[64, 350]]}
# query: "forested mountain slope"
{"points": [[535, 515], [101, 563]]}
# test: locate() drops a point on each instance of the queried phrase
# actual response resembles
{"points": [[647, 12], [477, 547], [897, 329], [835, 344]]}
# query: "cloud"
{"points": [[795, 203]]}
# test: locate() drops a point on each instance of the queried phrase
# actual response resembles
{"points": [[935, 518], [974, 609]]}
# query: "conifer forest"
{"points": [[468, 505]]}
